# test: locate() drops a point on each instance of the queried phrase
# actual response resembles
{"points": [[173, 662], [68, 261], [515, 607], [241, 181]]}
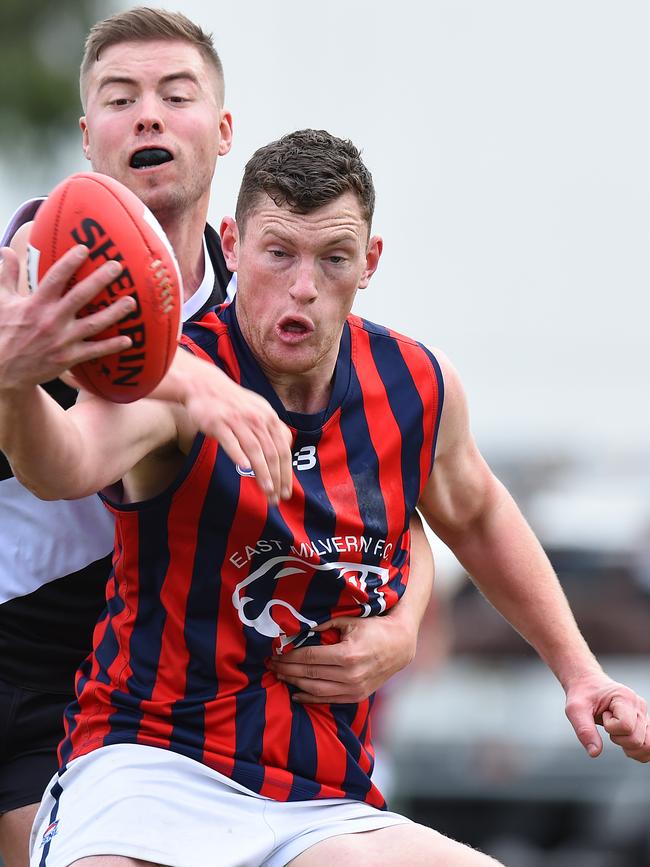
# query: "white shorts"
{"points": [[154, 804]]}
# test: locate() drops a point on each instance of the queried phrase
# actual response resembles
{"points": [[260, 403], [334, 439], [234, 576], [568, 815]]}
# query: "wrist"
{"points": [[402, 619], [176, 385], [576, 668]]}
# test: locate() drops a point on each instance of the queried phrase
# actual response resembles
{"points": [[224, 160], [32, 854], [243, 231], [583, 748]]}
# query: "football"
{"points": [[102, 214]]}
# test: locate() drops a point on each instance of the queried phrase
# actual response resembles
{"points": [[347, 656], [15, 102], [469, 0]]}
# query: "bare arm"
{"points": [[61, 454], [244, 423], [476, 517], [40, 337], [371, 649]]}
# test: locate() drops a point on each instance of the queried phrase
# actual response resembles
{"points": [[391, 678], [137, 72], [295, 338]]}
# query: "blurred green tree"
{"points": [[41, 44]]}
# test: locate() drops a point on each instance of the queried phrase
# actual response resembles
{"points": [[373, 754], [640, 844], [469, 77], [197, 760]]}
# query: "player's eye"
{"points": [[120, 101], [336, 260], [279, 254]]}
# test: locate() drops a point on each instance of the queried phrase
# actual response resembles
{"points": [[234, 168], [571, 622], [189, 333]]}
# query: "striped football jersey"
{"points": [[209, 580]]}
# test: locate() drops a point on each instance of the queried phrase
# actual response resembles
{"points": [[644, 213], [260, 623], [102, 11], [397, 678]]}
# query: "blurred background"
{"points": [[509, 144]]}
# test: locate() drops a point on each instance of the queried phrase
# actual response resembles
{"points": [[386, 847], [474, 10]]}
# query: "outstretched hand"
{"points": [[597, 699], [244, 423], [370, 651], [40, 335]]}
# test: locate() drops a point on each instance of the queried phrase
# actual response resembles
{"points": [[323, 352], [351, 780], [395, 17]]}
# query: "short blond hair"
{"points": [[144, 24]]}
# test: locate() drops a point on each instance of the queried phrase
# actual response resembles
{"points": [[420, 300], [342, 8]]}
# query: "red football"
{"points": [[101, 213]]}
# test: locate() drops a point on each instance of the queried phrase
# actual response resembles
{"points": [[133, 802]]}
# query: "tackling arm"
{"points": [[371, 649]]}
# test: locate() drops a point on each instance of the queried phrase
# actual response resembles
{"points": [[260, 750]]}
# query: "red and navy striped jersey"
{"points": [[209, 580]]}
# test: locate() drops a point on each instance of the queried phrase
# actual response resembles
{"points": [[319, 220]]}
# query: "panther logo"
{"points": [[271, 616]]}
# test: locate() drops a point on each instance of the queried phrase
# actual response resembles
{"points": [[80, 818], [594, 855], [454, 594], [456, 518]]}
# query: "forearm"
{"points": [[39, 440], [415, 599], [505, 560], [184, 377]]}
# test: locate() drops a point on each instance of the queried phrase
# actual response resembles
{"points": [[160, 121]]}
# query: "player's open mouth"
{"points": [[149, 157], [294, 327]]}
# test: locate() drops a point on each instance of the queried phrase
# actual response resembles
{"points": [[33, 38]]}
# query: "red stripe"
{"points": [[182, 532], [230, 650], [95, 700], [385, 434], [277, 739]]}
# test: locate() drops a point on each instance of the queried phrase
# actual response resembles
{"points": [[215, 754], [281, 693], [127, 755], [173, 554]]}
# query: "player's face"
{"points": [[297, 276], [154, 122]]}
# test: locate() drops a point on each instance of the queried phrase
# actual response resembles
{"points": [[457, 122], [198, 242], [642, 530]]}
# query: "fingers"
{"points": [[57, 277], [93, 324], [313, 656], [9, 269], [253, 445], [580, 716], [97, 349], [320, 689], [245, 424], [54, 283], [83, 292], [629, 731], [625, 713], [266, 448], [285, 438], [262, 456], [624, 716], [299, 674], [325, 673], [334, 698]]}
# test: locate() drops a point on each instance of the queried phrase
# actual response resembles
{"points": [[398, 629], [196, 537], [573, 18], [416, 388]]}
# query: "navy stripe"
{"points": [[146, 637], [250, 715], [323, 591], [363, 466], [303, 752], [202, 614], [441, 399], [356, 783], [408, 410]]}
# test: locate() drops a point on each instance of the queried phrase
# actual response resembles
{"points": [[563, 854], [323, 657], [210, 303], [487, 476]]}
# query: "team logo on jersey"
{"points": [[274, 617], [304, 458], [50, 832]]}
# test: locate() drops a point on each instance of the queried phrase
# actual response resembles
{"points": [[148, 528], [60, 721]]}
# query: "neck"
{"points": [[185, 234], [303, 394]]}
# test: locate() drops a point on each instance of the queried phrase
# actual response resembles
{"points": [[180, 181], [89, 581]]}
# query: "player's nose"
{"points": [[149, 117], [304, 286]]}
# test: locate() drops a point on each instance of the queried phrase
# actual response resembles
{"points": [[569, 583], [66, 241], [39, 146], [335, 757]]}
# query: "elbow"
{"points": [[46, 489]]}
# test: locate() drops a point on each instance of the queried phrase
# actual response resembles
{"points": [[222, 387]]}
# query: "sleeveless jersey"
{"points": [[209, 580], [55, 556]]}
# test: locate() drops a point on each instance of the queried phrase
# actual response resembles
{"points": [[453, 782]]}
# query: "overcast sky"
{"points": [[509, 143]]}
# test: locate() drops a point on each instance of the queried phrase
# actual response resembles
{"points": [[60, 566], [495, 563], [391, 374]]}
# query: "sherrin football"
{"points": [[102, 214]]}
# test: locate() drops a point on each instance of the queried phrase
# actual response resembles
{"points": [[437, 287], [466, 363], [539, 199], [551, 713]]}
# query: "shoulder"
{"points": [[418, 358], [424, 364]]}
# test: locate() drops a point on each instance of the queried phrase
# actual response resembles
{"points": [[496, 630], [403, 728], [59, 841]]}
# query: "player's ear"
{"points": [[229, 232], [85, 143], [373, 253], [225, 130]]}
